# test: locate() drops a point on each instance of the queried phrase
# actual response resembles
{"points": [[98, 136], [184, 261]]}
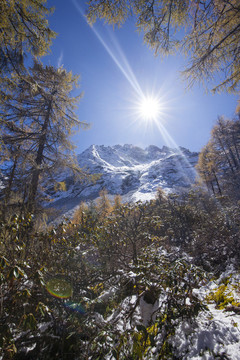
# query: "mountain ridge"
{"points": [[129, 171]]}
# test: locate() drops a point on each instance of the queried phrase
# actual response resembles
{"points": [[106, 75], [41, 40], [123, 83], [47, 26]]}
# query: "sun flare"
{"points": [[149, 108]]}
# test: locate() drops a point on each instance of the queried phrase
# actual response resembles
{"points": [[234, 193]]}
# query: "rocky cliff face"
{"points": [[130, 171]]}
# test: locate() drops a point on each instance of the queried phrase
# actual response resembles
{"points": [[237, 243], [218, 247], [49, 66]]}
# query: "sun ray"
{"points": [[123, 65], [171, 143], [149, 108]]}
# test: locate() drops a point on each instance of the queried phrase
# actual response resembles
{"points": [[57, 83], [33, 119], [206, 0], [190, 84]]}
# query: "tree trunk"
{"points": [[226, 156], [218, 185], [38, 161]]}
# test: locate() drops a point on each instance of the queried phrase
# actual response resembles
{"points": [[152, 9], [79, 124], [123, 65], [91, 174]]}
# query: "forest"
{"points": [[118, 280]]}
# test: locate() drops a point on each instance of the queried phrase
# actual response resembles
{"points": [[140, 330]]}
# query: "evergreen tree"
{"points": [[212, 31]]}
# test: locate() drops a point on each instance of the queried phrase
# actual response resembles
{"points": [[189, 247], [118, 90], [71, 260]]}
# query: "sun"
{"points": [[149, 108]]}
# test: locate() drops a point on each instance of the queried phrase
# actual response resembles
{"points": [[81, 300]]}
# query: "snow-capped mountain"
{"points": [[129, 171]]}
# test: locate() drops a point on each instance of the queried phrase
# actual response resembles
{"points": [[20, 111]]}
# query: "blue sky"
{"points": [[113, 65]]}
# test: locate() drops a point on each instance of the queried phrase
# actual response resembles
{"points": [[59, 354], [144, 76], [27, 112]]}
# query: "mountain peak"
{"points": [[130, 171]]}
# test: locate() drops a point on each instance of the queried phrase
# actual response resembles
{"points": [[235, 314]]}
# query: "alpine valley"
{"points": [[128, 170]]}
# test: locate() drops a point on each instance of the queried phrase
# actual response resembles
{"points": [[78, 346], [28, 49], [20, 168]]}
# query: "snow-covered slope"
{"points": [[130, 171]]}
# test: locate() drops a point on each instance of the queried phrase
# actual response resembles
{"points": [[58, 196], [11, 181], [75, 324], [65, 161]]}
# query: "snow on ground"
{"points": [[214, 332]]}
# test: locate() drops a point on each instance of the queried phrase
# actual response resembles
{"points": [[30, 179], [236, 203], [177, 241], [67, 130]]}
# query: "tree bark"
{"points": [[38, 161]]}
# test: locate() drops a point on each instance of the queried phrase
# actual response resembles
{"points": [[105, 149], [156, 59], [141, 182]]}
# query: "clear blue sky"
{"points": [[111, 64]]}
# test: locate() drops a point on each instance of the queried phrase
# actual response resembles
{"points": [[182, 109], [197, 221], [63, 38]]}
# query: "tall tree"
{"points": [[23, 29], [207, 31], [208, 167], [39, 121], [219, 160], [225, 142], [103, 205]]}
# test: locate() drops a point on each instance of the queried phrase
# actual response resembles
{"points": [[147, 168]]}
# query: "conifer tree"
{"points": [[225, 142], [24, 32], [219, 160], [39, 120], [103, 205], [117, 202], [207, 168], [23, 29], [207, 31], [225, 138], [14, 176]]}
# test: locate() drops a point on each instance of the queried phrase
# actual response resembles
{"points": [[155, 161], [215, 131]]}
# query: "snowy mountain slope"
{"points": [[128, 170]]}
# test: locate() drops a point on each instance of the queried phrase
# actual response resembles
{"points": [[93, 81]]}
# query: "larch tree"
{"points": [[206, 31], [225, 138], [103, 205], [117, 202], [14, 176], [39, 121], [207, 169], [226, 144], [23, 30], [24, 33], [219, 161]]}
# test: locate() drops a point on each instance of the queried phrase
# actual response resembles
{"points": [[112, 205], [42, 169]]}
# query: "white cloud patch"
{"points": [[60, 59]]}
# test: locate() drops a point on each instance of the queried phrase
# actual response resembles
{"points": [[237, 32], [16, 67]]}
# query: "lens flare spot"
{"points": [[59, 288], [76, 307]]}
